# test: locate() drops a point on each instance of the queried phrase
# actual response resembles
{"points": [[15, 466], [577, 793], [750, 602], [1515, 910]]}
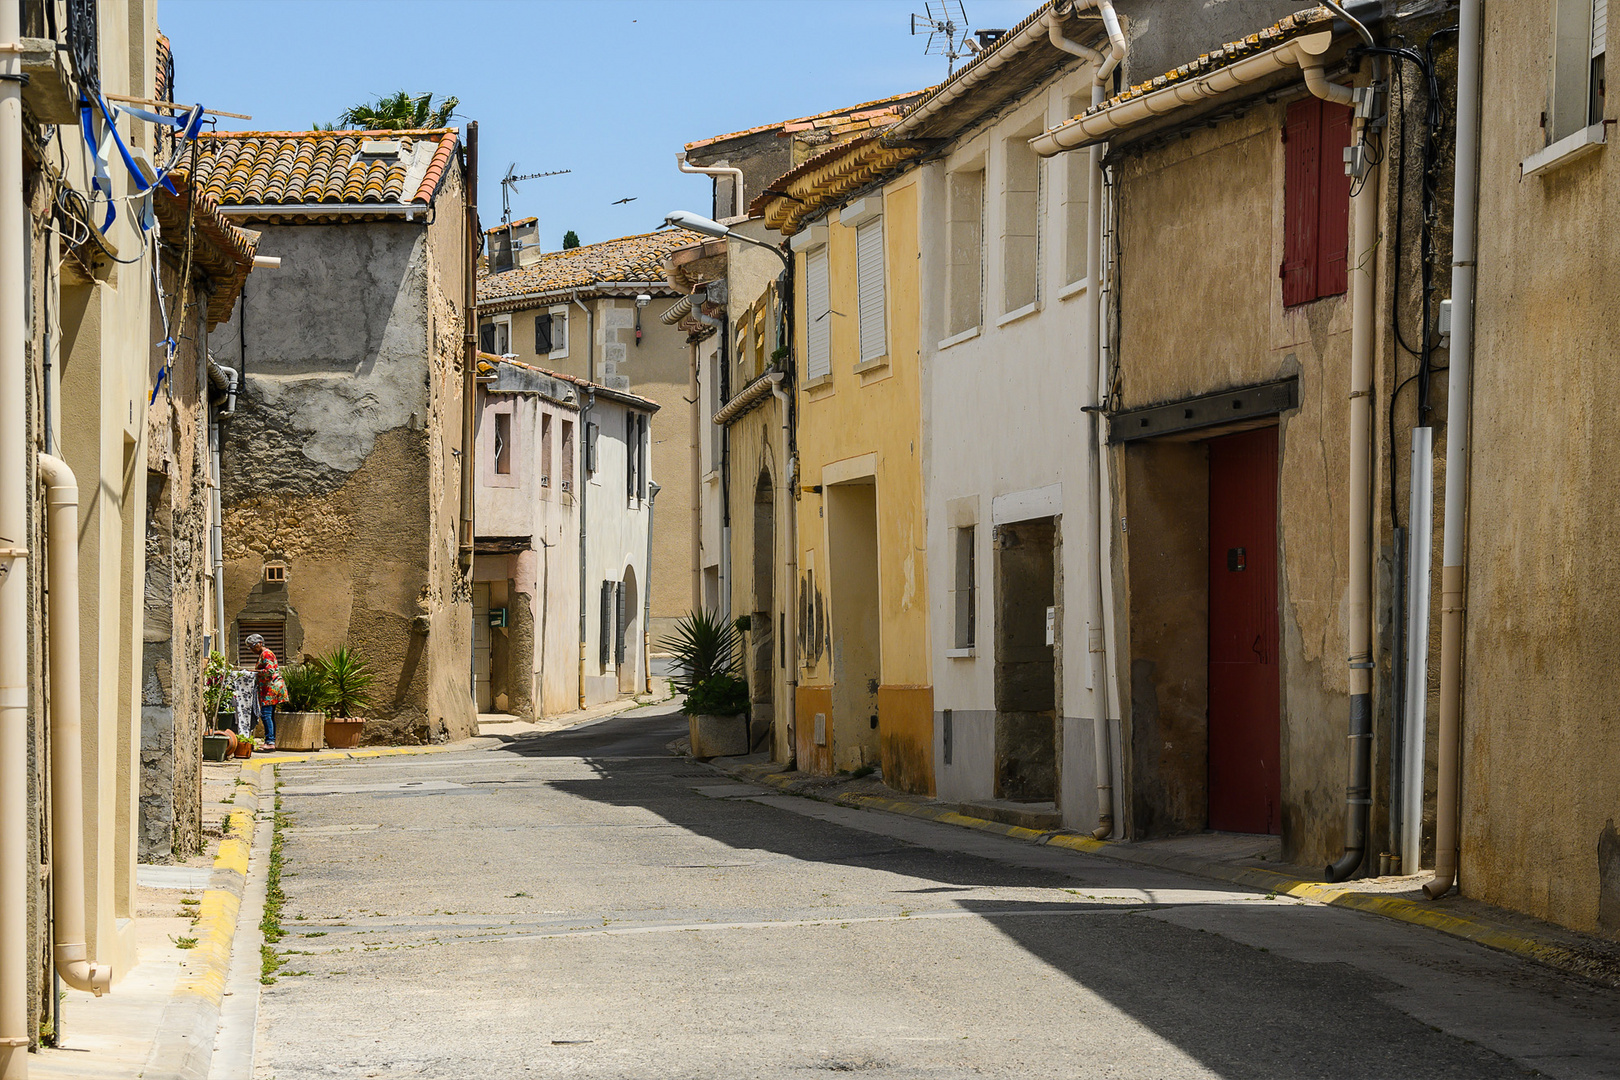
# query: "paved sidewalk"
{"points": [[1217, 858]]}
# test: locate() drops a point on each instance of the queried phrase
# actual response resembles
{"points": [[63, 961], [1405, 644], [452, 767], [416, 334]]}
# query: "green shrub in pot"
{"points": [[722, 694], [348, 681], [307, 689]]}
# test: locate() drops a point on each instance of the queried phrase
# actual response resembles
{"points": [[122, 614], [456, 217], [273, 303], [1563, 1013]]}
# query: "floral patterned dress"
{"points": [[272, 688]]}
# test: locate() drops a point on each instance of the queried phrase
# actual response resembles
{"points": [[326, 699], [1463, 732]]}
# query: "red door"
{"points": [[1245, 774]]}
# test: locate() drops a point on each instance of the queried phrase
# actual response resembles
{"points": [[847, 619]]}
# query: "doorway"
{"points": [[852, 560], [627, 644], [482, 691], [761, 621], [1026, 661], [1245, 751]]}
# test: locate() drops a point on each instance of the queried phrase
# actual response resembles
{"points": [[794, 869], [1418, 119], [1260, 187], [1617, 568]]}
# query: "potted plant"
{"points": [[217, 745], [703, 653], [348, 691], [244, 747], [219, 696], [301, 718]]}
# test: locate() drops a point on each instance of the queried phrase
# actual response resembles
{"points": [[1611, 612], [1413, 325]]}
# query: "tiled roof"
{"points": [[1290, 26], [223, 250], [271, 168], [488, 361], [836, 123], [825, 180], [629, 258]]}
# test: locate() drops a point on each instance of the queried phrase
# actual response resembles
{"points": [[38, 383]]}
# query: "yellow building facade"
{"points": [[864, 696]]}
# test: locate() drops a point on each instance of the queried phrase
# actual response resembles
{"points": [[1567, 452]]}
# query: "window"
{"points": [[1020, 224], [545, 450], [566, 466], [1076, 204], [559, 333], [486, 338], [635, 455], [1580, 38], [965, 235], [966, 588], [817, 316], [1316, 201], [496, 337], [275, 639], [542, 334], [604, 635], [591, 431], [869, 290], [503, 443]]}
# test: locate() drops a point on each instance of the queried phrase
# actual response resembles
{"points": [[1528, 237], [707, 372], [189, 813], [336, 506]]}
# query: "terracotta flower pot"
{"points": [[244, 749], [344, 734]]}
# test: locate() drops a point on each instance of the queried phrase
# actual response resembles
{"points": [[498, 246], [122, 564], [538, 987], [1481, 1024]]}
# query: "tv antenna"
{"points": [[947, 31], [509, 184]]}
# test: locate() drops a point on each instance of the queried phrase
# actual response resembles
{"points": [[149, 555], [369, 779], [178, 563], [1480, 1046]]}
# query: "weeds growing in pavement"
{"points": [[274, 898], [185, 943]]}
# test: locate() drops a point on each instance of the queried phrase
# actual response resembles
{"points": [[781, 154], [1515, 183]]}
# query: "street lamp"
{"points": [[685, 219]]}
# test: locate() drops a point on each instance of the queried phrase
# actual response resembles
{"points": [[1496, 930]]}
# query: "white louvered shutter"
{"points": [[869, 285], [818, 317], [1600, 27]]}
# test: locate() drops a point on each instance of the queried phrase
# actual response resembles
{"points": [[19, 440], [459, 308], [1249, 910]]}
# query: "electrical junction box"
{"points": [[1444, 326]]}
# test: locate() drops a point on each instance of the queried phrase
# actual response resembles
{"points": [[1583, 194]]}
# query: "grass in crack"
{"points": [[274, 898]]}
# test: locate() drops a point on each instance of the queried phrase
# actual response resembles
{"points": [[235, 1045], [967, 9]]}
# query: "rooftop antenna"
{"points": [[947, 32], [509, 184]]}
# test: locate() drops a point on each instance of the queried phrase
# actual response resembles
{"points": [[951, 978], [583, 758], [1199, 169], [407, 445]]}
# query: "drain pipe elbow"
{"points": [[1116, 42], [738, 207], [1054, 34], [66, 765]]}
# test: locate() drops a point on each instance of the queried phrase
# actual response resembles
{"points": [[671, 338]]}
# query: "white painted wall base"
{"points": [[971, 775]]}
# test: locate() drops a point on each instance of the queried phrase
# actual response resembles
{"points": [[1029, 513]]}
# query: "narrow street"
{"points": [[585, 904]]}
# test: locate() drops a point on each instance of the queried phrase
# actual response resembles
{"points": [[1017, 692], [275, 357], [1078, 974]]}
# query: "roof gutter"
{"points": [[409, 210], [571, 293], [1305, 53]]}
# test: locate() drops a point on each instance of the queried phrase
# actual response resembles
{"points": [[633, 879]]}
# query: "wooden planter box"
{"points": [[718, 736], [344, 734], [300, 730]]}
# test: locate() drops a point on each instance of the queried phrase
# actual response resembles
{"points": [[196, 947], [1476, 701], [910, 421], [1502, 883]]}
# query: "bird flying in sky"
{"points": [[621, 202]]}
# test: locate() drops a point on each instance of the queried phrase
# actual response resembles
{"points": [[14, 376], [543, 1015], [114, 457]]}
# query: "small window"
{"points": [[542, 335], [966, 588], [496, 337], [559, 333], [486, 338], [606, 619], [591, 432], [965, 235], [503, 443], [632, 455], [1020, 225], [565, 467], [545, 450], [818, 315], [275, 639], [275, 573], [869, 290]]}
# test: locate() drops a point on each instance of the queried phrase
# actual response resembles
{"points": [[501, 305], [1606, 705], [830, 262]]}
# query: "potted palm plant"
{"points": [[348, 682], [300, 721], [703, 652]]}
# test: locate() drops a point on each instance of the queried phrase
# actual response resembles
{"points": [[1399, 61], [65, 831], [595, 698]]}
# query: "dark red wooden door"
{"points": [[1245, 773]]}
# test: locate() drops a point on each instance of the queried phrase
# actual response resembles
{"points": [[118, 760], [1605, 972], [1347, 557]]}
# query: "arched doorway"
{"points": [[762, 620], [627, 632]]}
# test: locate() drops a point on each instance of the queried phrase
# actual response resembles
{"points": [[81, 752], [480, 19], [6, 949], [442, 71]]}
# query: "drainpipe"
{"points": [[694, 396], [790, 561], [15, 857], [1363, 297], [1465, 226], [226, 379], [469, 362], [67, 774], [1094, 390], [738, 207], [646, 593], [588, 400]]}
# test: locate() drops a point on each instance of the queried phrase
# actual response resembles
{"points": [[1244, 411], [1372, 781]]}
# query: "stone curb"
{"points": [[1499, 936], [184, 1044]]}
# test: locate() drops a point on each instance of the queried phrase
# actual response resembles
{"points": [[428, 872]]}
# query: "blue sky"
{"points": [[610, 89]]}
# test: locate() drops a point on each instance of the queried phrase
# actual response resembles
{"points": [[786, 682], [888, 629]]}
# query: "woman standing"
{"points": [[272, 688]]}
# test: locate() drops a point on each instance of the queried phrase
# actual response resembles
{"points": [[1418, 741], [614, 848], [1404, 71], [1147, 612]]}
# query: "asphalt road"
{"points": [[584, 905]]}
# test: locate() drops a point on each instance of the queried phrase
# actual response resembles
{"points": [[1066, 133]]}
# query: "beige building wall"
{"points": [[1540, 791]]}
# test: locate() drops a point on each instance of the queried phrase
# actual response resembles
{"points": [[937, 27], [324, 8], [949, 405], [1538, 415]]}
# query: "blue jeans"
{"points": [[268, 712]]}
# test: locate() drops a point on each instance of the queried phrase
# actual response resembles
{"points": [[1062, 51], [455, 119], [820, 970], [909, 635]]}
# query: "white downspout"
{"points": [[70, 950], [790, 560], [216, 510], [1092, 395], [14, 854], [1465, 225], [738, 207]]}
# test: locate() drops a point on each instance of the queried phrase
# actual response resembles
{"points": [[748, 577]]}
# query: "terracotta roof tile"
{"points": [[488, 361], [271, 168], [629, 258], [837, 121]]}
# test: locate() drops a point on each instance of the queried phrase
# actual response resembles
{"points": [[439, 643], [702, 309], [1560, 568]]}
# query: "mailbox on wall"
{"points": [[497, 616]]}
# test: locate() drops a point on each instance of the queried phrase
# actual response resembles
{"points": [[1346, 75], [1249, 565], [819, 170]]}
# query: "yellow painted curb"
{"points": [[1501, 938], [217, 913], [257, 762]]}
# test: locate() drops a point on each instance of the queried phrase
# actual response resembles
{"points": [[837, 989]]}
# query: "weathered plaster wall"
{"points": [[1540, 792], [866, 422], [1200, 224], [615, 550], [339, 462]]}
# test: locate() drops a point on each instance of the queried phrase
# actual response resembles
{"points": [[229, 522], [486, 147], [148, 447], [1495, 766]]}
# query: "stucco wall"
{"points": [[615, 550], [339, 461], [1540, 793], [867, 423]]}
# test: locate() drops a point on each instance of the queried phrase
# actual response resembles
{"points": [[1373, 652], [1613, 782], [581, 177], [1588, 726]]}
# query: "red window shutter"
{"points": [[1302, 152], [1333, 237]]}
